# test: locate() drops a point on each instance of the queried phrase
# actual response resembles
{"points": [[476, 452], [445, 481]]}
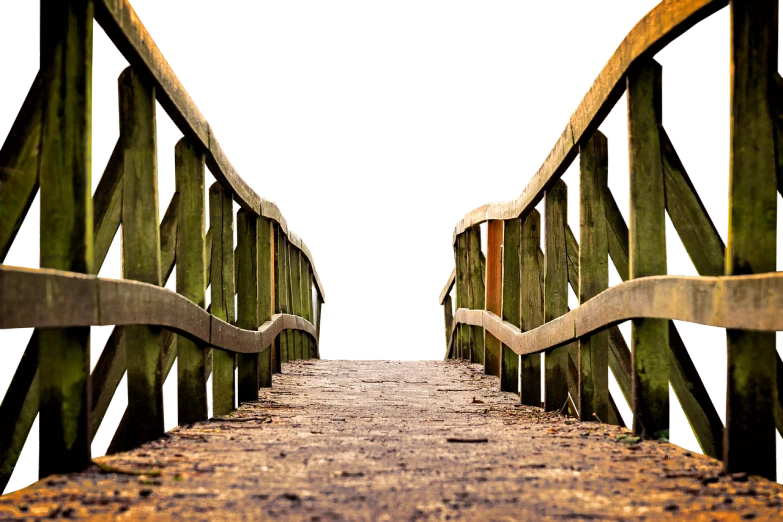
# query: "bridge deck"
{"points": [[376, 440]]}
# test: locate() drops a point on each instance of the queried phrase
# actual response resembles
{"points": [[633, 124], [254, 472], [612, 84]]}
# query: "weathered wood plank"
{"points": [[476, 291], [593, 354], [531, 305], [647, 240], [463, 291], [509, 362], [449, 285], [66, 226], [296, 297], [448, 322], [282, 301], [247, 255], [277, 360], [107, 206], [266, 292], [494, 293], [191, 275], [750, 405]]}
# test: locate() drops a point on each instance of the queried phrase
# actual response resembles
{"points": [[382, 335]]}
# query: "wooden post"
{"points": [[647, 239], [282, 300], [191, 279], [476, 297], [141, 252], [448, 319], [296, 294], [463, 284], [266, 302], [531, 305], [221, 222], [751, 391], [593, 359], [247, 256], [319, 303], [494, 293], [555, 293], [278, 296], [509, 362], [290, 334], [309, 293]]}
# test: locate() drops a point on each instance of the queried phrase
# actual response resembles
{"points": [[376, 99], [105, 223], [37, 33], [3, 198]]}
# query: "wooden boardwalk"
{"points": [[380, 440]]}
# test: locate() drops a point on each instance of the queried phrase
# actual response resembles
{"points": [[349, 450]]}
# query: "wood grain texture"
{"points": [[512, 291], [247, 255], [531, 305], [476, 291], [463, 292], [448, 320], [282, 301], [449, 285], [296, 296], [494, 293], [266, 292]]}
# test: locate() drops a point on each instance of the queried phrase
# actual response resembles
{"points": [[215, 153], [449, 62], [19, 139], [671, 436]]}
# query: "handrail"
{"points": [[124, 28], [449, 285], [664, 23]]}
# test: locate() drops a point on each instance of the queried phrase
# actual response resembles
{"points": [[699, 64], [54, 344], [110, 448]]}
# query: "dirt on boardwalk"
{"points": [[348, 440]]}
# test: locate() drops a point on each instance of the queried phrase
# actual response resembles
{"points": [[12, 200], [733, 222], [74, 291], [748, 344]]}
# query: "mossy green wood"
{"points": [[191, 277], [647, 240], [751, 390], [66, 237], [463, 284], [283, 306], [593, 351], [266, 289], [531, 305], [141, 251], [448, 320], [247, 256], [221, 222], [296, 294], [509, 361], [477, 293], [555, 293], [290, 334], [277, 296], [307, 289]]}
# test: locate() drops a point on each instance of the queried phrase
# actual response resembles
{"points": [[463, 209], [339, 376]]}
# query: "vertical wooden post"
{"points": [[448, 321], [494, 293], [283, 301], [66, 226], [593, 359], [309, 292], [647, 239], [141, 252], [752, 382], [319, 303], [290, 334], [555, 293], [266, 303], [279, 270], [221, 221], [463, 284], [191, 279], [476, 298], [247, 300], [531, 305], [509, 362], [296, 294]]}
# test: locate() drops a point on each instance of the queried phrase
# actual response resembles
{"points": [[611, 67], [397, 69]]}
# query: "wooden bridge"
{"points": [[464, 438]]}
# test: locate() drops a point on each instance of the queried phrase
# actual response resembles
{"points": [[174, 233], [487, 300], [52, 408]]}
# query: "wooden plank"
{"points": [[191, 275], [319, 304], [494, 293], [476, 291], [647, 240], [19, 166], [282, 301], [531, 305], [247, 255], [308, 289], [750, 405], [221, 223], [509, 362], [448, 320], [617, 236], [463, 295], [556, 293], [449, 285], [290, 297], [141, 252], [168, 239], [107, 206], [66, 226], [296, 295], [266, 292], [593, 354], [276, 295]]}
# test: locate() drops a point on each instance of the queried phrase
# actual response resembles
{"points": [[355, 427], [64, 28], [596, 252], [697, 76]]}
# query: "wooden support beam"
{"points": [[107, 206], [292, 356], [531, 302], [221, 223], [310, 313], [266, 293], [141, 252], [555, 293], [276, 296], [319, 304], [463, 340], [750, 393], [296, 294], [509, 362], [476, 291], [593, 353], [647, 240], [66, 226], [191, 276], [448, 321], [247, 255], [282, 302], [494, 294]]}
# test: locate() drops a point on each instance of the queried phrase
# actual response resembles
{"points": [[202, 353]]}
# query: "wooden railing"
{"points": [[271, 273], [517, 305]]}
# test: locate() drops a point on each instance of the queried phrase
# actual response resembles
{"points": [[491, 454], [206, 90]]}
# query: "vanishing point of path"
{"points": [[348, 440]]}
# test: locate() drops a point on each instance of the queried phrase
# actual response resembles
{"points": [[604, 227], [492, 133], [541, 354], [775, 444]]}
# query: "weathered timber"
{"points": [[448, 322], [318, 304], [291, 336], [647, 240], [277, 360], [191, 277], [449, 285], [750, 394], [19, 166], [221, 223], [247, 255], [593, 276], [168, 239], [494, 293], [107, 206], [476, 291], [531, 308], [309, 316], [266, 293], [509, 362], [281, 300], [555, 293], [296, 297], [463, 291], [66, 226], [141, 251]]}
